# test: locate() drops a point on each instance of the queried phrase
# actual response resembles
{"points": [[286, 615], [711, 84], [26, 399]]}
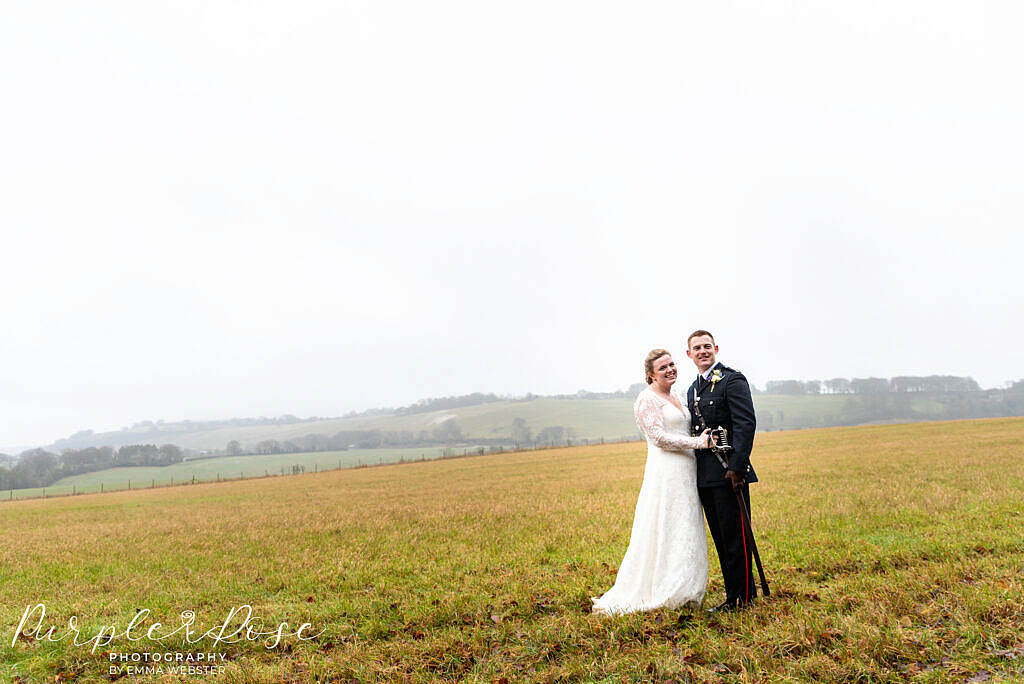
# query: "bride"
{"points": [[666, 563]]}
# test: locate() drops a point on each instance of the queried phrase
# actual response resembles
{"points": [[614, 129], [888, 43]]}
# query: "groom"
{"points": [[722, 396]]}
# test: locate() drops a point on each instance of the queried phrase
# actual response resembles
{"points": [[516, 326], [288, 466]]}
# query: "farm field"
{"points": [[224, 468], [895, 553]]}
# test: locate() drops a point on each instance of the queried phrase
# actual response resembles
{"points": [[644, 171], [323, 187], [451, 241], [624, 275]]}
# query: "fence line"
{"points": [[300, 469]]}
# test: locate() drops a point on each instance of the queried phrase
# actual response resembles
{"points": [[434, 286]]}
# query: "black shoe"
{"points": [[730, 605], [724, 606]]}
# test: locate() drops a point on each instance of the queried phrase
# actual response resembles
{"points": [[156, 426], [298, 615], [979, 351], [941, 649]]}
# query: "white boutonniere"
{"points": [[716, 375]]}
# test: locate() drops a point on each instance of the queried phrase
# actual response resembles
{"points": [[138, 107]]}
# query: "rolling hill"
{"points": [[582, 419]]}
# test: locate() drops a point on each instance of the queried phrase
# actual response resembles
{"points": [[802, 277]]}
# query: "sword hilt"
{"points": [[721, 440]]}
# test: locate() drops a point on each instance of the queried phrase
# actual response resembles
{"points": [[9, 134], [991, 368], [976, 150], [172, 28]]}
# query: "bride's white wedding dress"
{"points": [[666, 563]]}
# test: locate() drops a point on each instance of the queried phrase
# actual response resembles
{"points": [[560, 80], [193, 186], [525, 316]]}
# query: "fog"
{"points": [[217, 209]]}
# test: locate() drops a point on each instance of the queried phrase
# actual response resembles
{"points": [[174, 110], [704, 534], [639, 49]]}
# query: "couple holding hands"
{"points": [[689, 477]]}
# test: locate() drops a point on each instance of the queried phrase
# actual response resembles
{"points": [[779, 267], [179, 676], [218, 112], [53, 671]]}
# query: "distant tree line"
{"points": [[444, 403], [446, 433], [897, 406], [147, 428], [41, 468], [628, 393], [194, 425], [901, 383], [523, 436]]}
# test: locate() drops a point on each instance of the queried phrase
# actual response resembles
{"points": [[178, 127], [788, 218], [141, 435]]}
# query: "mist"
{"points": [[214, 210]]}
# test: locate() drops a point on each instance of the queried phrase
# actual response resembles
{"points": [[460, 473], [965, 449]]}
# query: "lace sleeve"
{"points": [[650, 421]]}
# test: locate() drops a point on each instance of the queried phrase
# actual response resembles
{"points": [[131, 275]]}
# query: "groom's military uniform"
{"points": [[726, 402]]}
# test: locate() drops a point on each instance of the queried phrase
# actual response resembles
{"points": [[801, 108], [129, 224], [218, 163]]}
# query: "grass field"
{"points": [[895, 552], [223, 468]]}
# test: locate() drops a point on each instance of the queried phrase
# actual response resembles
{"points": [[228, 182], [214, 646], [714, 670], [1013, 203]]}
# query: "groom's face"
{"points": [[702, 352]]}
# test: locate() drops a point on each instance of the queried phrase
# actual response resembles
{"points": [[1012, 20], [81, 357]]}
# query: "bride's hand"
{"points": [[709, 439]]}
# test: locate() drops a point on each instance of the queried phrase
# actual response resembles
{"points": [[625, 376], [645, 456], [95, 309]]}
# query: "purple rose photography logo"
{"points": [[144, 638]]}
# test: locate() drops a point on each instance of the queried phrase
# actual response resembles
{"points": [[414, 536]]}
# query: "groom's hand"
{"points": [[735, 479]]}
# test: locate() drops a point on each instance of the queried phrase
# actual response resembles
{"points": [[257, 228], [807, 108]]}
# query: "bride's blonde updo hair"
{"points": [[652, 356]]}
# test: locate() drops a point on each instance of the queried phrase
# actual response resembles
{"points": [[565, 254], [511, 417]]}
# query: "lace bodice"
{"points": [[664, 425]]}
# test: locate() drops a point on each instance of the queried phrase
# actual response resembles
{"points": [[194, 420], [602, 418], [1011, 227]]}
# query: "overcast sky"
{"points": [[215, 209]]}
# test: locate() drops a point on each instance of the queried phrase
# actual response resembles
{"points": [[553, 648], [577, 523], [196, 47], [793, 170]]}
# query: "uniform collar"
{"points": [[706, 374]]}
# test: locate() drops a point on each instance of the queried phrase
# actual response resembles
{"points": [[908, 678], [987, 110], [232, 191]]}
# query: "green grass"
{"points": [[223, 468], [895, 554]]}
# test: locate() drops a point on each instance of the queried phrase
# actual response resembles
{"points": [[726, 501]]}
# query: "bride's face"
{"points": [[664, 373]]}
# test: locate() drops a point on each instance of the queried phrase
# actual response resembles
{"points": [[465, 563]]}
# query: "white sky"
{"points": [[215, 209]]}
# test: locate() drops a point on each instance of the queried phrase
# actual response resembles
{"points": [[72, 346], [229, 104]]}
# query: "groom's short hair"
{"points": [[699, 333]]}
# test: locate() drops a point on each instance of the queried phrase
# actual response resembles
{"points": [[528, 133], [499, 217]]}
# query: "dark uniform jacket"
{"points": [[725, 403]]}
